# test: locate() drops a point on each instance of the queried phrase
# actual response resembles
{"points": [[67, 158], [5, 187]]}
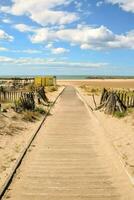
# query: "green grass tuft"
{"points": [[40, 110], [119, 114]]}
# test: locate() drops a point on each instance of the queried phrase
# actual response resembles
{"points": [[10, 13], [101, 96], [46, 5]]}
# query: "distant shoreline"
{"points": [[101, 82], [72, 77], [92, 77], [98, 79]]}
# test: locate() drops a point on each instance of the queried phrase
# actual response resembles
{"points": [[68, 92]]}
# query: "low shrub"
{"points": [[118, 114], [40, 110], [124, 114], [30, 116], [90, 90], [51, 88]]}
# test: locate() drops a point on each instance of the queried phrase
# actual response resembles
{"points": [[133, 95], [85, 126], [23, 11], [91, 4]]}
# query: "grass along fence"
{"points": [[126, 97], [117, 99], [112, 102]]}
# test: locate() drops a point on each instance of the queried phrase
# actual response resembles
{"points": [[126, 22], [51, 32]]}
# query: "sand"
{"points": [[71, 159], [108, 83], [14, 135], [119, 131]]}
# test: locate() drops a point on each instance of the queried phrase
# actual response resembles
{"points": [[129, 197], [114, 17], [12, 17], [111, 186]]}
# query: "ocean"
{"points": [[71, 77], [81, 77]]}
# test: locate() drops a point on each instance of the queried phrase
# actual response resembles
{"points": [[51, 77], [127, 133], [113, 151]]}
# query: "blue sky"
{"points": [[64, 37]]}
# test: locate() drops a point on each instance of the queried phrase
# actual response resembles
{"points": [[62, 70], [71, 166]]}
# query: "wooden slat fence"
{"points": [[126, 97], [10, 96]]}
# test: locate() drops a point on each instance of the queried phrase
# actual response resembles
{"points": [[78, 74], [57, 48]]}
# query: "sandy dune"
{"points": [[120, 132], [14, 135], [108, 83]]}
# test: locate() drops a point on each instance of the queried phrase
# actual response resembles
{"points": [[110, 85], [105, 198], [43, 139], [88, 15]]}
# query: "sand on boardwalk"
{"points": [[14, 136], [119, 131]]}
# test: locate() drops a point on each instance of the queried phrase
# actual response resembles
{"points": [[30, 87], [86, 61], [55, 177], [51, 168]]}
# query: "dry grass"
{"points": [[51, 88], [30, 116], [15, 118], [91, 90], [12, 129], [40, 110]]}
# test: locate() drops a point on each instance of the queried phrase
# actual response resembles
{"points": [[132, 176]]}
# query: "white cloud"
{"points": [[87, 37], [123, 41], [7, 21], [5, 36], [84, 36], [58, 50], [23, 28], [4, 59], [42, 12], [81, 35], [95, 38], [31, 51], [53, 17], [3, 49], [126, 5], [28, 51], [41, 35], [49, 46], [51, 62]]}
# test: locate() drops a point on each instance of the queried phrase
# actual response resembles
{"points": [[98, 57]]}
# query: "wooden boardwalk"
{"points": [[70, 160]]}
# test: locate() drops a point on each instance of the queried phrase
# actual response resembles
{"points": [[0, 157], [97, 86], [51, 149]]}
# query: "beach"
{"points": [[78, 152], [108, 83], [15, 133], [118, 132]]}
